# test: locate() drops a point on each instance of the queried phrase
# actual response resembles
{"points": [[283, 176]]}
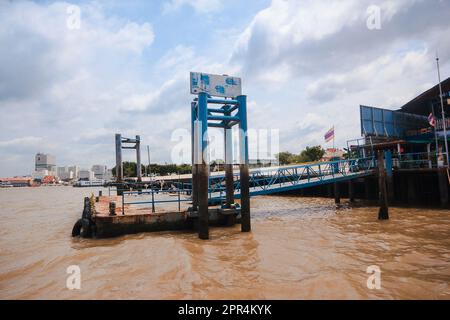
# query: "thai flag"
{"points": [[329, 135], [432, 120]]}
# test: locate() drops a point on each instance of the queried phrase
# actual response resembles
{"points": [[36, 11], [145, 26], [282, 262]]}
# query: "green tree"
{"points": [[285, 157], [129, 169], [311, 154]]}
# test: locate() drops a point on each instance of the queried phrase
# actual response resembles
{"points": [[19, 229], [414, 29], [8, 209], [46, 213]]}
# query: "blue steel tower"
{"points": [[229, 113]]}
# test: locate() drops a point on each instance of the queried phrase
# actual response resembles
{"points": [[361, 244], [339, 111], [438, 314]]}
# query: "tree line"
{"points": [[129, 169], [310, 154]]}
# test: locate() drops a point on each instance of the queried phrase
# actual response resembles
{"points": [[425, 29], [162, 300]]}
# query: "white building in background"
{"points": [[109, 175], [86, 175], [99, 171], [75, 171], [64, 174], [45, 162], [60, 171]]}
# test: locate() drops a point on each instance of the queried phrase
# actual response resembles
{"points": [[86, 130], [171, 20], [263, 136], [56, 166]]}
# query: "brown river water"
{"points": [[299, 248]]}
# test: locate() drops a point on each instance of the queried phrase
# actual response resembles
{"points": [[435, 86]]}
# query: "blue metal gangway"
{"points": [[271, 180]]}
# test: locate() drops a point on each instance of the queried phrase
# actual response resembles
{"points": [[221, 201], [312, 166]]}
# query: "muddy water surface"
{"points": [[300, 248]]}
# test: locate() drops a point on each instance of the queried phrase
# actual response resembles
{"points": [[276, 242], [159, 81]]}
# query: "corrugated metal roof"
{"points": [[420, 104]]}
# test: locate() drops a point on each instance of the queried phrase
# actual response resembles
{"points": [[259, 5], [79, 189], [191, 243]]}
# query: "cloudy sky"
{"points": [[66, 88]]}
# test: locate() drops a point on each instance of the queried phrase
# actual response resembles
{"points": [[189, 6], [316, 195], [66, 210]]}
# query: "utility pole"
{"points": [[442, 109]]}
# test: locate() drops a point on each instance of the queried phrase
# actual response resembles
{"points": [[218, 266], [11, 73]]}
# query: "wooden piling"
{"points": [[351, 191], [203, 214], [245, 198], [112, 208], [243, 167], [203, 167], [390, 188], [411, 189], [443, 180], [330, 191], [367, 188], [337, 195], [383, 213]]}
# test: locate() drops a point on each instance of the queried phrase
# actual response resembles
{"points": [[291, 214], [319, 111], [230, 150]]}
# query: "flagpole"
{"points": [[442, 108]]}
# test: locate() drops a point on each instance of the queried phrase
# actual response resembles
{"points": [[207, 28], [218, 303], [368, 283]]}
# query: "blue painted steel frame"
{"points": [[204, 114], [200, 111]]}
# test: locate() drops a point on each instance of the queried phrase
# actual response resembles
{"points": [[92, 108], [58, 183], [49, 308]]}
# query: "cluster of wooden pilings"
{"points": [[404, 187], [202, 118]]}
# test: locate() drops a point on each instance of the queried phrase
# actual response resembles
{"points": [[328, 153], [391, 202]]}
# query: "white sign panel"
{"points": [[215, 85]]}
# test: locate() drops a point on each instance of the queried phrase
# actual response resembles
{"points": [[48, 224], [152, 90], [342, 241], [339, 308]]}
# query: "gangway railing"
{"points": [[154, 193], [262, 181], [269, 178], [420, 160]]}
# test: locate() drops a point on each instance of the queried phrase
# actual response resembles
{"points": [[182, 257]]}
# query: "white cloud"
{"points": [[313, 38], [42, 51], [179, 55], [316, 61], [156, 99], [306, 65], [379, 72], [27, 142], [57, 84], [200, 6]]}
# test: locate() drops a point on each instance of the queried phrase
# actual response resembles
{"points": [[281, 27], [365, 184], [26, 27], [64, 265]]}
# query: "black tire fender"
{"points": [[76, 231], [86, 231]]}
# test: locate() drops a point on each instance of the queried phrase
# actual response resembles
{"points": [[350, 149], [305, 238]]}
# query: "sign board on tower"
{"points": [[215, 85]]}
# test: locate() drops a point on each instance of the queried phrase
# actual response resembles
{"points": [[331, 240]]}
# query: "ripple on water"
{"points": [[298, 248]]}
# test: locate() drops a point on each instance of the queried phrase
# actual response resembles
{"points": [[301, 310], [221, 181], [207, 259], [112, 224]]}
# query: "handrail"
{"points": [[263, 179], [153, 201], [420, 159], [294, 175]]}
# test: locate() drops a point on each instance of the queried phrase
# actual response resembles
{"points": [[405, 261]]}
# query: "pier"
{"points": [[388, 165], [147, 210]]}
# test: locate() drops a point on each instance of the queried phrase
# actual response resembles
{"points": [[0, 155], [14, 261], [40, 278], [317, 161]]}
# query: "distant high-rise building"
{"points": [[86, 175], [45, 162], [108, 176], [100, 171], [75, 171], [63, 173]]}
